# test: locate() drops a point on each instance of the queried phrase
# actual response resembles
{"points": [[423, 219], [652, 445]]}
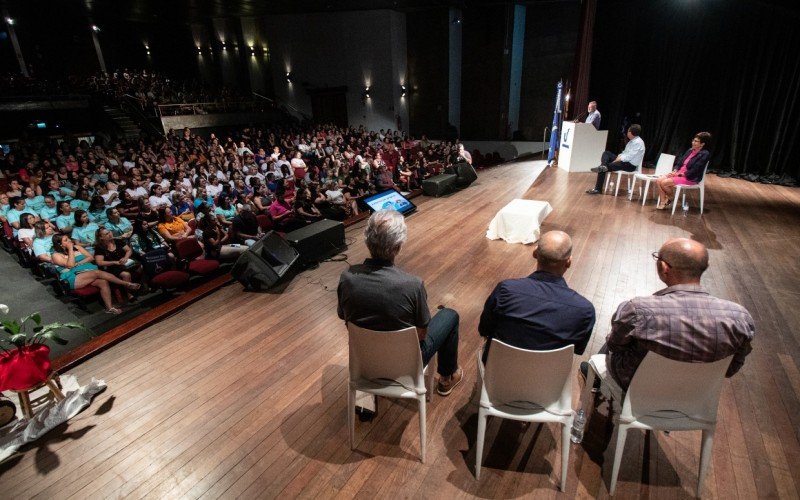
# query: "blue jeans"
{"points": [[442, 338]]}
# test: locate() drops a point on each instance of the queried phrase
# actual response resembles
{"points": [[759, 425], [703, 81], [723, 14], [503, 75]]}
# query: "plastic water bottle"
{"points": [[611, 185], [577, 426], [685, 207]]}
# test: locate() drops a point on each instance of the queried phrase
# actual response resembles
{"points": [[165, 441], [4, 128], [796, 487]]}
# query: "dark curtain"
{"points": [[729, 68], [582, 67]]}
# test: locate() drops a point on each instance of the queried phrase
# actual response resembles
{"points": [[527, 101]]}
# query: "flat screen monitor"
{"points": [[390, 199]]}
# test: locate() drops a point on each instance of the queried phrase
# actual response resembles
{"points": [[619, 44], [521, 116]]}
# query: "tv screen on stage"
{"points": [[390, 199]]}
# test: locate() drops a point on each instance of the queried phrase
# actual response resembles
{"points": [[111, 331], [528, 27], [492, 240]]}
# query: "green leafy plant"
{"points": [[17, 334]]}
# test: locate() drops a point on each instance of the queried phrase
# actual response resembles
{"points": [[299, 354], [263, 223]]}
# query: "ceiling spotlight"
{"points": [[95, 28], [402, 90], [457, 20], [10, 21], [366, 92], [223, 46]]}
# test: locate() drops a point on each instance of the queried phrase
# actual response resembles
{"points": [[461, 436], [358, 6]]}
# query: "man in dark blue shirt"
{"points": [[540, 312]]}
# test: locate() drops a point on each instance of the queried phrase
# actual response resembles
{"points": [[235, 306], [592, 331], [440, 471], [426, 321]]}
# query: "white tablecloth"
{"points": [[519, 221]]}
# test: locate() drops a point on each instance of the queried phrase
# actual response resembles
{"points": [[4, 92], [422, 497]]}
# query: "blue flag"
{"points": [[555, 132]]}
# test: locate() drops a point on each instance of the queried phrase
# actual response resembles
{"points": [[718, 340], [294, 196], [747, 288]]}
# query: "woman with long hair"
{"points": [[74, 265]]}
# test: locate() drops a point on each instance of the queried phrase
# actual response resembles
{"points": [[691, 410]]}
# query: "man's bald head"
{"points": [[553, 252], [686, 259]]}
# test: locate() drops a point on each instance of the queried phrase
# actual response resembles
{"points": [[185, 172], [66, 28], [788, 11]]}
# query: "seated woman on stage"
{"points": [[688, 170], [75, 266]]}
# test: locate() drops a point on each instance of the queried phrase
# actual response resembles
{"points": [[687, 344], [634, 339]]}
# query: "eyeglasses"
{"points": [[657, 257]]}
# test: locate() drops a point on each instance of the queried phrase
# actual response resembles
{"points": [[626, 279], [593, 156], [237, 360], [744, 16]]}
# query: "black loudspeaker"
{"points": [[263, 264], [439, 185], [318, 241], [465, 174]]}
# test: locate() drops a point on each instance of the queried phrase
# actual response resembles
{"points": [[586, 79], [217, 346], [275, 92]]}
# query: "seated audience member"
{"points": [[49, 211], [171, 228], [629, 160], [135, 191], [65, 219], [687, 171], [42, 245], [26, 234], [145, 239], [244, 227], [540, 312], [4, 207], [128, 207], [183, 206], [113, 257], [119, 226], [304, 207], [74, 265], [13, 214], [82, 201], [34, 201], [147, 213], [682, 322], [379, 296], [338, 198], [97, 210], [225, 212], [383, 179], [216, 238], [462, 155], [282, 213], [83, 229], [157, 198]]}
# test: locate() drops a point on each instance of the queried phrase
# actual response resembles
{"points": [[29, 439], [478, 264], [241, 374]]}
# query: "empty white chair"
{"points": [[531, 386], [664, 395], [620, 173], [664, 166], [387, 364], [683, 188]]}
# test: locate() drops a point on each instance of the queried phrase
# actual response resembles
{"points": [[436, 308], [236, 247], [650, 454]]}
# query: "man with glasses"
{"points": [[682, 322]]}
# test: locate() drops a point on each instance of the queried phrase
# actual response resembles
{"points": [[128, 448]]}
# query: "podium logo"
{"points": [[565, 139]]}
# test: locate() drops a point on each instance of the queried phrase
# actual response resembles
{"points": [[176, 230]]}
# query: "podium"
{"points": [[581, 146]]}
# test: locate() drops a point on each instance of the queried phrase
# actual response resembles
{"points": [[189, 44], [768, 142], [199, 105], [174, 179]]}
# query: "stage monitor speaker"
{"points": [[439, 185], [318, 241], [465, 174], [263, 264]]}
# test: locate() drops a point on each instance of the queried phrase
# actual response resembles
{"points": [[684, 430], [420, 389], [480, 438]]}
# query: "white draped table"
{"points": [[519, 221]]}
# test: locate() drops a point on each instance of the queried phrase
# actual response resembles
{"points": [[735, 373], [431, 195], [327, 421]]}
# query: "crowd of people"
{"points": [[103, 207]]}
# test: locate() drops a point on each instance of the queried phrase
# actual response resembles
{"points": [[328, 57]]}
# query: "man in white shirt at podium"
{"points": [[594, 116], [629, 160]]}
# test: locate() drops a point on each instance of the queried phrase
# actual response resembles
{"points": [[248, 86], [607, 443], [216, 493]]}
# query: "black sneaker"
{"points": [[592, 191], [584, 371], [365, 415], [600, 168]]}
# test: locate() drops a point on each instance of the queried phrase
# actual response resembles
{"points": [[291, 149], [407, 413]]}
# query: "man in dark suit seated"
{"points": [[540, 312]]}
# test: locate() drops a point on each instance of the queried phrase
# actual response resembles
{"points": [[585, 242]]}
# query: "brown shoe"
{"points": [[445, 387]]}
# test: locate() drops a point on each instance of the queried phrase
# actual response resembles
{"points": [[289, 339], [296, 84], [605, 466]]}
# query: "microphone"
{"points": [[578, 118]]}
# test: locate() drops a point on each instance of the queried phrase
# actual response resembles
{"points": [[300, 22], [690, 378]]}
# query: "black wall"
{"points": [[428, 66]]}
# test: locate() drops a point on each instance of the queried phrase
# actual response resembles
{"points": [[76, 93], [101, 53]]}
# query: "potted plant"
{"points": [[24, 357]]}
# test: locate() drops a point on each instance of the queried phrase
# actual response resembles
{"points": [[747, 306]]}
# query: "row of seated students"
{"points": [[154, 193]]}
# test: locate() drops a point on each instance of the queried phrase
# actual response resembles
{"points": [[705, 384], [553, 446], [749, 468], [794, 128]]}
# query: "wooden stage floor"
{"points": [[243, 395]]}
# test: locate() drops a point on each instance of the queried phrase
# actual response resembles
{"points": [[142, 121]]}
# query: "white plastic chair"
{"points": [[700, 185], [531, 386], [387, 364], [663, 167], [664, 395], [620, 173]]}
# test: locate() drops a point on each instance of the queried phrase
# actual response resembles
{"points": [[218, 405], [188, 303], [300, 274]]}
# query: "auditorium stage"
{"points": [[244, 394]]}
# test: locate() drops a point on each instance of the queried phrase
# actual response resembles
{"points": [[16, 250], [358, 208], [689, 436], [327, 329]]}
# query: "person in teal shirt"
{"points": [[43, 242], [83, 230], [13, 214], [81, 201], [225, 212], [33, 201], [49, 211], [65, 218], [97, 210], [4, 206], [119, 226]]}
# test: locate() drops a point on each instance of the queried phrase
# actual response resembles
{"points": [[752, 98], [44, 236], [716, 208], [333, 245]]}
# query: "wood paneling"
{"points": [[244, 394]]}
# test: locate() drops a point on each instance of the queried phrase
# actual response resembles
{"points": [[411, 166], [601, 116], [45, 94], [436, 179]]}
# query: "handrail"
{"points": [[277, 102], [195, 108], [143, 119]]}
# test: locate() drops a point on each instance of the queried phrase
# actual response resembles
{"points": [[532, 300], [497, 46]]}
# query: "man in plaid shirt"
{"points": [[681, 322]]}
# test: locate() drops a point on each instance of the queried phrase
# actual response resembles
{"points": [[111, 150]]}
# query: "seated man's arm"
{"points": [[744, 349], [586, 330], [488, 320], [622, 325]]}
